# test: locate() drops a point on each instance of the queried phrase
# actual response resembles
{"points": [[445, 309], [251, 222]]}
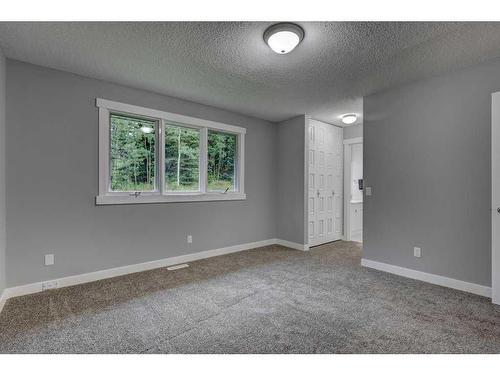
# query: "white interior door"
{"points": [[325, 183], [495, 197]]}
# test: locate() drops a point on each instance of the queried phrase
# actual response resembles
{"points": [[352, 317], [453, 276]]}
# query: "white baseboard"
{"points": [[464, 286], [119, 271], [293, 245]]}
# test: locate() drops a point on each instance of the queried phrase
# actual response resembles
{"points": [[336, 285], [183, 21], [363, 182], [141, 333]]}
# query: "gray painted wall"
{"points": [[427, 156], [353, 131], [290, 171], [52, 144], [2, 173]]}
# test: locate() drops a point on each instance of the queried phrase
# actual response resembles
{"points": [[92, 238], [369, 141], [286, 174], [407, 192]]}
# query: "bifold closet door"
{"points": [[325, 203]]}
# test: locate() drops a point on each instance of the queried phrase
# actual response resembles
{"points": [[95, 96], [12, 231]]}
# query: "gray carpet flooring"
{"points": [[266, 300]]}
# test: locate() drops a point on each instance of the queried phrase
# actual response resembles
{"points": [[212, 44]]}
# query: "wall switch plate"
{"points": [[417, 252], [49, 259], [368, 191], [190, 239], [49, 285]]}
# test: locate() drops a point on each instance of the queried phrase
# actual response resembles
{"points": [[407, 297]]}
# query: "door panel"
{"points": [[325, 183]]}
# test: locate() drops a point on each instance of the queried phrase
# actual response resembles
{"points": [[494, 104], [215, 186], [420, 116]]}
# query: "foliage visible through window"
{"points": [[221, 161], [182, 157], [133, 153]]}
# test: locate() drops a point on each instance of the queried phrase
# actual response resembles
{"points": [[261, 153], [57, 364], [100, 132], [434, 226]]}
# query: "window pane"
{"points": [[133, 153], [221, 161], [182, 158]]}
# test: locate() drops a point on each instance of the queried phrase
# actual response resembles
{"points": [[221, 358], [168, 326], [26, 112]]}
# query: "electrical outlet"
{"points": [[189, 239], [417, 252], [49, 285], [49, 259], [368, 191]]}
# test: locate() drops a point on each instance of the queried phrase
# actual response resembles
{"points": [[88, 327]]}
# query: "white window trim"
{"points": [[106, 196]]}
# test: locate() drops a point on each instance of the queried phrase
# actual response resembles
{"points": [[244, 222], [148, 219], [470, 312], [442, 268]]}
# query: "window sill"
{"points": [[143, 199]]}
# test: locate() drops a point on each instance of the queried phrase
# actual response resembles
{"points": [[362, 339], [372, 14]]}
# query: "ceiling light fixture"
{"points": [[349, 118], [283, 37]]}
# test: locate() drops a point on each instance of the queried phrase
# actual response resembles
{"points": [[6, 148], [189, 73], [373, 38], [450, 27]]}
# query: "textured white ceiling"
{"points": [[228, 65]]}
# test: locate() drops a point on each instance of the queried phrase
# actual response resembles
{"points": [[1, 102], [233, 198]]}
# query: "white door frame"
{"points": [[347, 184], [495, 197]]}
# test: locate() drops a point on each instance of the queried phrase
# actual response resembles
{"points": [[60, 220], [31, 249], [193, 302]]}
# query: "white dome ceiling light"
{"points": [[282, 38], [349, 118]]}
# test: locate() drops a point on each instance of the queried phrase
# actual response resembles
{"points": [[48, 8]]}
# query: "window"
{"points": [[133, 155], [222, 149], [149, 156], [182, 158]]}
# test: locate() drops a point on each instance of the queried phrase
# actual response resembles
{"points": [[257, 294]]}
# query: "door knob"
{"points": [[317, 193], [498, 210]]}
